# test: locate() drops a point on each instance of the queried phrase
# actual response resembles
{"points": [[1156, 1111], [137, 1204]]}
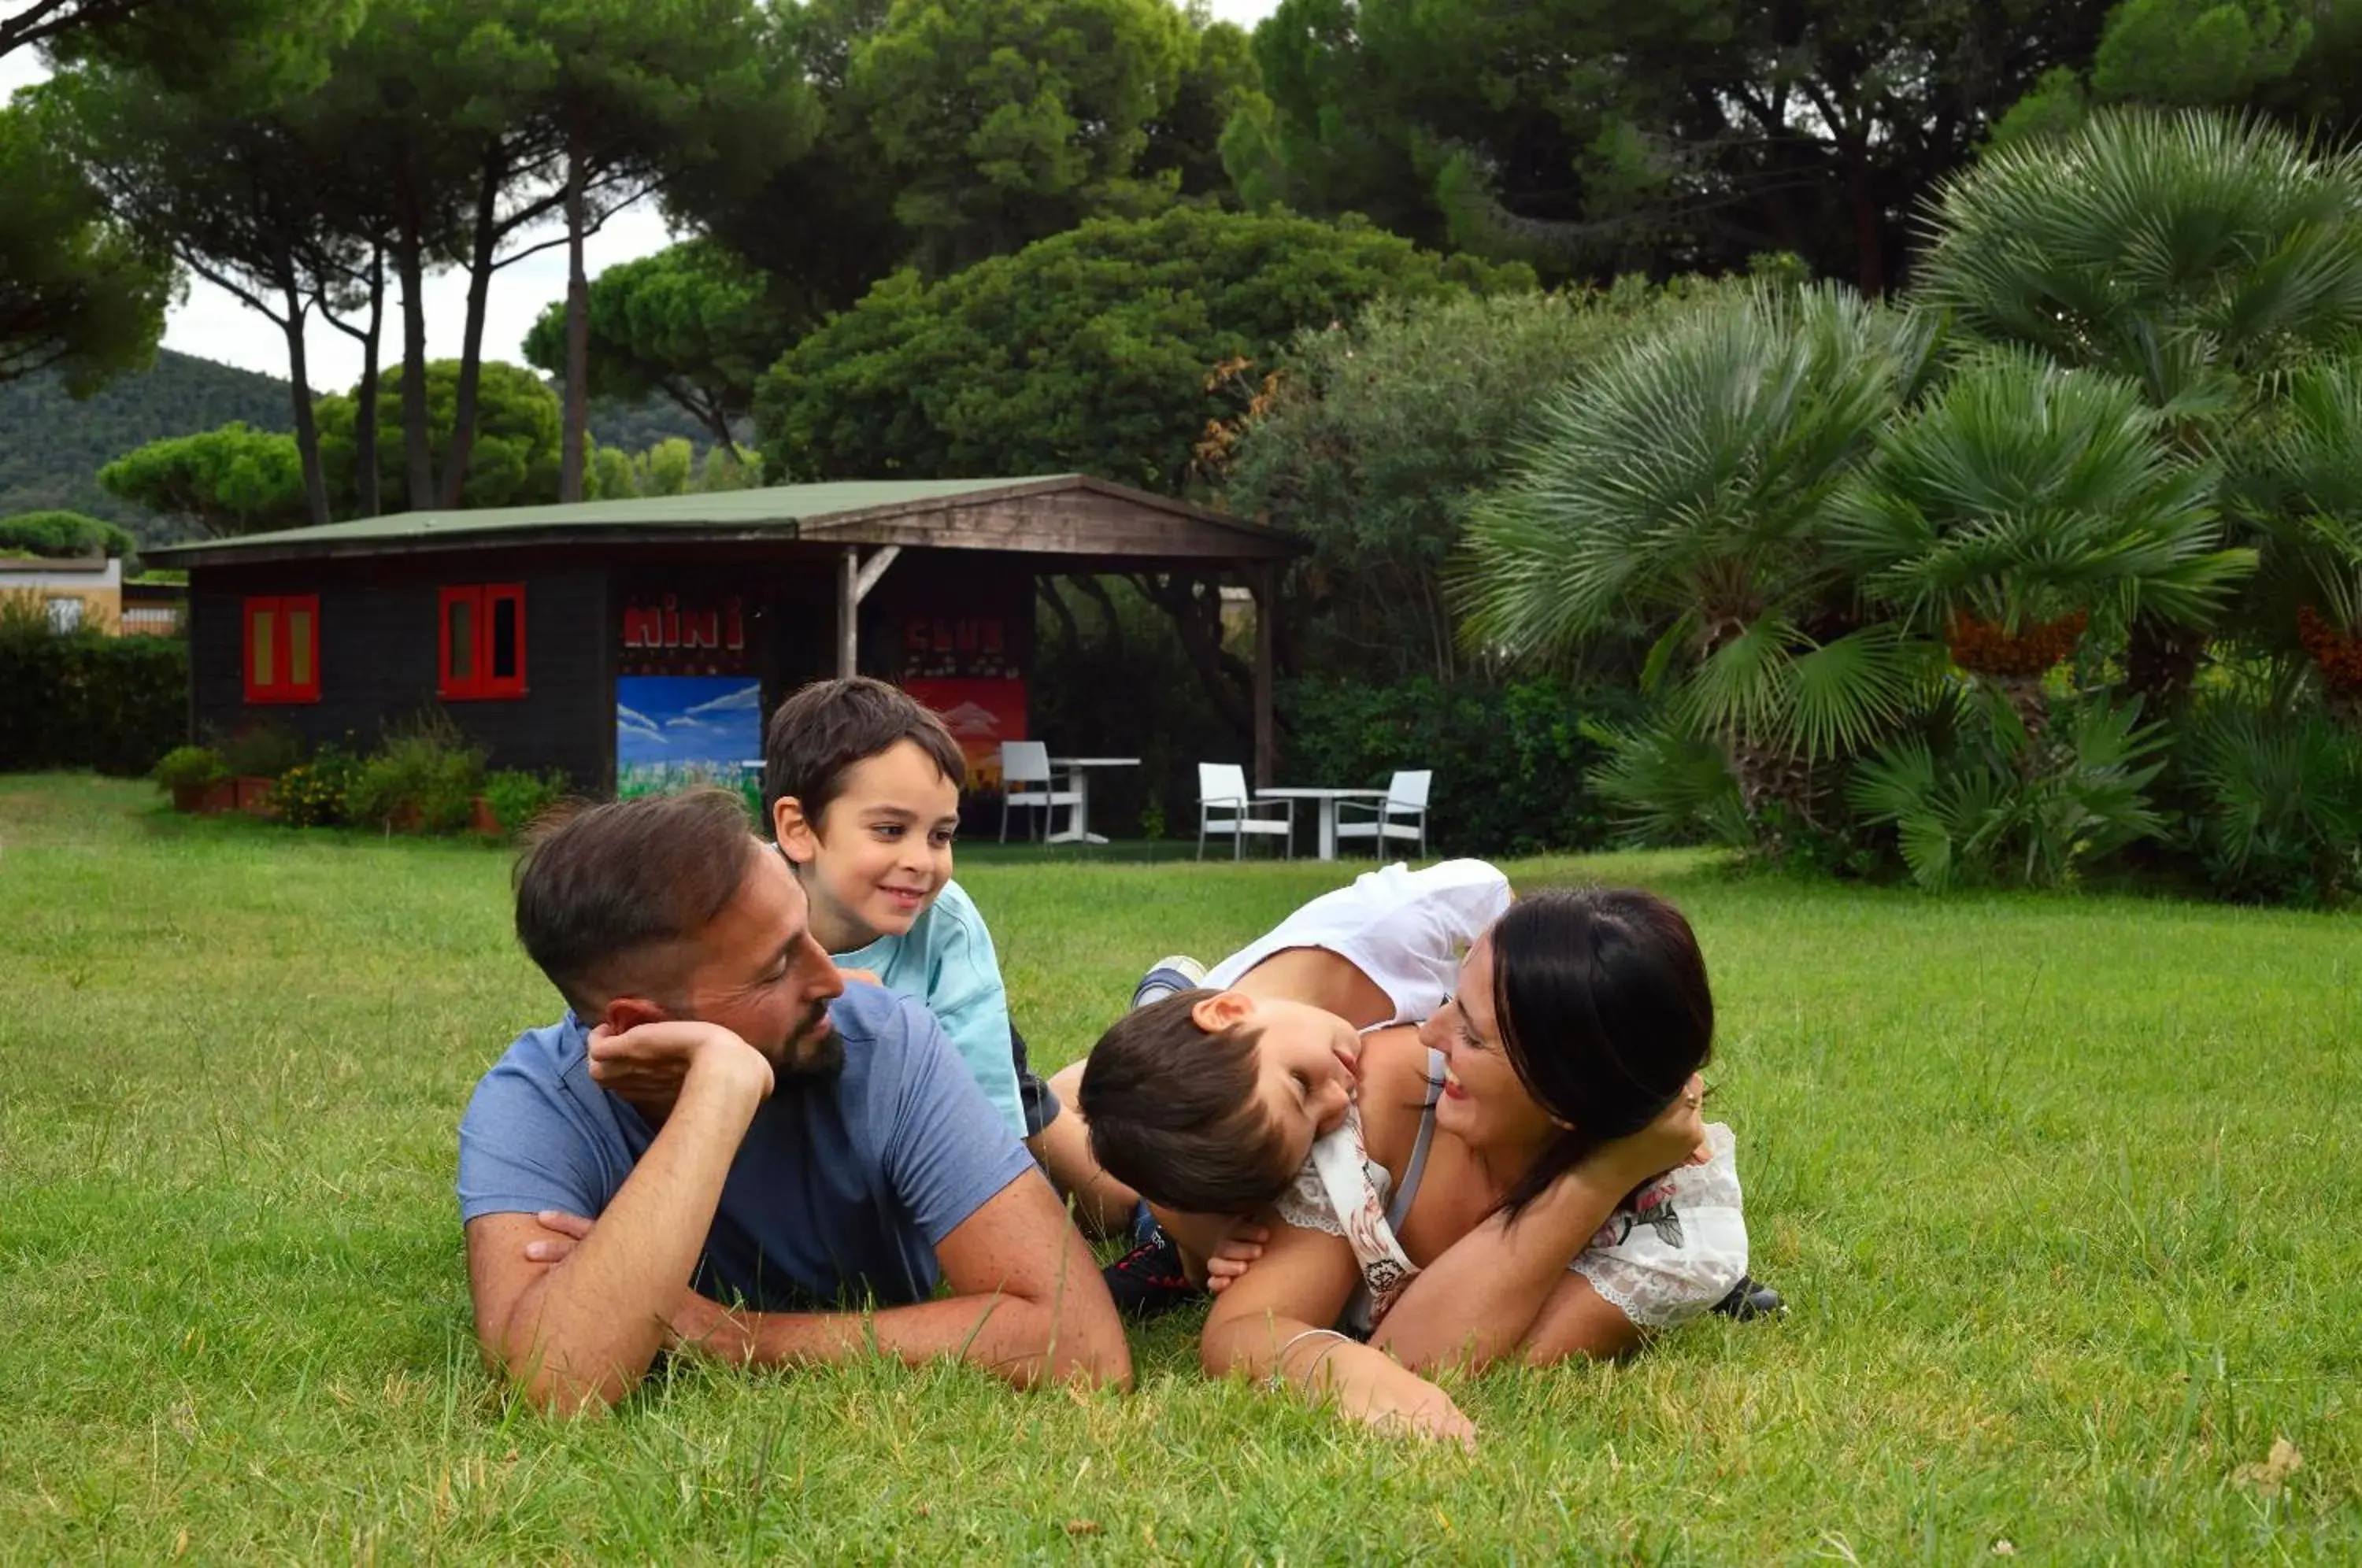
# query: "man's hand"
{"points": [[564, 1233], [647, 1063]]}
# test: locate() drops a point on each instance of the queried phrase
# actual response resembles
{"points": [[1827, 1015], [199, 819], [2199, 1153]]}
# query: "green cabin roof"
{"points": [[786, 510]]}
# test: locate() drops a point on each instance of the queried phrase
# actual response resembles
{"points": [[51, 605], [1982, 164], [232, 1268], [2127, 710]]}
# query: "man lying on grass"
{"points": [[744, 1126]]}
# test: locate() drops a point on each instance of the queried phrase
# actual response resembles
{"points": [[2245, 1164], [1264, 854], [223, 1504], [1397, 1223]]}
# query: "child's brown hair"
{"points": [[1173, 1113], [825, 728]]}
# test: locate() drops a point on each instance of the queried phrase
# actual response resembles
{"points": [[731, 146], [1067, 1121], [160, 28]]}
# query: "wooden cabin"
{"points": [[634, 642]]}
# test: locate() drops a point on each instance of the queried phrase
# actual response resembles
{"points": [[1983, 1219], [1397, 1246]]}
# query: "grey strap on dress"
{"points": [[1399, 1210]]}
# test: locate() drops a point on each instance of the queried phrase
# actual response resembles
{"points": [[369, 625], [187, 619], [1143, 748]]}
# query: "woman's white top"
{"points": [[1406, 930], [1668, 1252]]}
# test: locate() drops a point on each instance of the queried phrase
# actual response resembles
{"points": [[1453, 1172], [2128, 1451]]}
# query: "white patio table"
{"points": [[1079, 821], [1328, 800]]}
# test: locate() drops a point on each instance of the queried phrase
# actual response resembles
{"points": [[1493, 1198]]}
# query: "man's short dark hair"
{"points": [[600, 888], [825, 729], [1174, 1114]]}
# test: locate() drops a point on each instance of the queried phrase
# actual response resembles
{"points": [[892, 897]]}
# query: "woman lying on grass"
{"points": [[1526, 1174]]}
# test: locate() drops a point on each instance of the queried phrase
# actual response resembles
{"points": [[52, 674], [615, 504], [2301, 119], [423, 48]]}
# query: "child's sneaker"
{"points": [[1149, 1281], [1751, 1299], [1168, 976]]}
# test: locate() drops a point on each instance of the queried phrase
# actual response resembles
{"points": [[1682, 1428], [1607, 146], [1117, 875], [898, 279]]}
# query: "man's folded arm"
{"points": [[580, 1334], [1028, 1306]]}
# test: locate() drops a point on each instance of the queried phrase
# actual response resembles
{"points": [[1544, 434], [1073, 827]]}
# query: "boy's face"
{"points": [[882, 851], [1305, 1059]]}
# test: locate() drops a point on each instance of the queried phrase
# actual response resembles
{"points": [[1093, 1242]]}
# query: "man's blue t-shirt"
{"points": [[840, 1193]]}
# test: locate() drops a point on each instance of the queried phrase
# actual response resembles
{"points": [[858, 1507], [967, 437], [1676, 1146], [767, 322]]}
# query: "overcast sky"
{"points": [[214, 326]]}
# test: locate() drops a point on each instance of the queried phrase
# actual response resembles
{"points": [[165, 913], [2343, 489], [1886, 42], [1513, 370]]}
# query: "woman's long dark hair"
{"points": [[1604, 1010]]}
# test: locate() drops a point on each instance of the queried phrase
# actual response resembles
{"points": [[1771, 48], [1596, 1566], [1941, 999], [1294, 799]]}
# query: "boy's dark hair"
{"points": [[821, 732], [1173, 1113], [601, 887]]}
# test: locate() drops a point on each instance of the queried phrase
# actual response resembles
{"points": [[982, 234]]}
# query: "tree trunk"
{"points": [[2162, 664], [1048, 586], [1776, 791], [299, 394], [417, 454], [471, 344], [1197, 619], [574, 454], [714, 422], [1096, 592], [1869, 233], [365, 475]]}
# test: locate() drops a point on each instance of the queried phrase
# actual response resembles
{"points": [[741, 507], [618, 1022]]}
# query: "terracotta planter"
{"points": [[482, 818], [254, 795], [205, 799]]}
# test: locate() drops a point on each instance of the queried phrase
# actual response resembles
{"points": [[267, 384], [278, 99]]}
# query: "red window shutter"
{"points": [[279, 648], [259, 647], [299, 623], [503, 639], [458, 617], [480, 637]]}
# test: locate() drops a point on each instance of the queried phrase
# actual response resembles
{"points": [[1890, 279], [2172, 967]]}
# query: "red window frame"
{"points": [[288, 678], [476, 681]]}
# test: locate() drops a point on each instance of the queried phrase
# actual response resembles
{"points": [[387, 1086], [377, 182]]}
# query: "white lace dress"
{"points": [[1668, 1253]]}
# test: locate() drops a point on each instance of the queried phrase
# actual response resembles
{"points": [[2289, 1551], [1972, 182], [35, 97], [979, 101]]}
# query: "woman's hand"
{"points": [[1674, 1138], [1400, 1401]]}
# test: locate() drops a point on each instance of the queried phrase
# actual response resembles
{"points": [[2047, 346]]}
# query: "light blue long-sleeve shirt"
{"points": [[946, 963]]}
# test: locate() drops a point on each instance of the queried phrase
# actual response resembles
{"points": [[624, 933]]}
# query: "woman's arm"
{"points": [[1481, 1300], [1269, 1324]]}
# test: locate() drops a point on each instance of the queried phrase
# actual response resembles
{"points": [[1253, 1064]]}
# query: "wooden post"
{"points": [[855, 579], [848, 613], [1263, 581]]}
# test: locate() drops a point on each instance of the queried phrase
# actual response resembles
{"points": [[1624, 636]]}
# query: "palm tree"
{"points": [[2300, 486], [2020, 503], [2197, 256], [1681, 487]]}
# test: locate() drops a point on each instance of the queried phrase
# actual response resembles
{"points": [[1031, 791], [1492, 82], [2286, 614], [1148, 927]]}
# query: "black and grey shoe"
{"points": [[1750, 1299], [1149, 1281]]}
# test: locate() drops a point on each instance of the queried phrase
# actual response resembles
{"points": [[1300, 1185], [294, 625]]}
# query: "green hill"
{"points": [[51, 447]]}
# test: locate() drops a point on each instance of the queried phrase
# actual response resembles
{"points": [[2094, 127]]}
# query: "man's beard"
{"points": [[807, 1057]]}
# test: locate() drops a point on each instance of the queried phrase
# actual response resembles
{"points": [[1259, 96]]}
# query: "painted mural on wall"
{"points": [[676, 730], [961, 666]]}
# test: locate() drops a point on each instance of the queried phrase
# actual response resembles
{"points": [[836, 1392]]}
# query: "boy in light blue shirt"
{"points": [[864, 786]]}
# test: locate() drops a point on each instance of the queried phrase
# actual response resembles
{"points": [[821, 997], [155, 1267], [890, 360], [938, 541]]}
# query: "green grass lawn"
{"points": [[2066, 1193]]}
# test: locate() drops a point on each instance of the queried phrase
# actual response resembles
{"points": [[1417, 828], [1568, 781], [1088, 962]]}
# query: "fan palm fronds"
{"points": [[2021, 495], [2180, 250]]}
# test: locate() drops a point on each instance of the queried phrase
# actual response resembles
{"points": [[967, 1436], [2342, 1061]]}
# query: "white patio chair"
{"points": [[1391, 817], [1028, 762], [1223, 806]]}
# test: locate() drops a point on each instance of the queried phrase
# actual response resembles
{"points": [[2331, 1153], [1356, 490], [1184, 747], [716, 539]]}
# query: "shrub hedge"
{"points": [[87, 699], [1509, 760]]}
